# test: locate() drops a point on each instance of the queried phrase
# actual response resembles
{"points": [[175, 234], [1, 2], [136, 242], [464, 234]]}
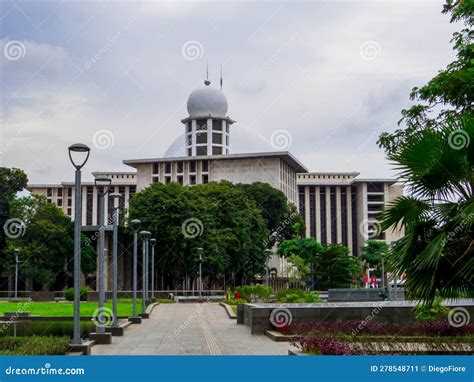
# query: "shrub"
{"points": [[293, 295], [253, 293], [323, 346], [69, 293], [35, 345], [166, 301], [235, 301]]}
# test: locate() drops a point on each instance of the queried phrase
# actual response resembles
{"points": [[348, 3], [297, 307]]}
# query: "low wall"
{"points": [[257, 316], [369, 294]]}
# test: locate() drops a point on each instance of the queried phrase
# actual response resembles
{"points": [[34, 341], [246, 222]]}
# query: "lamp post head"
{"points": [[145, 235], [115, 196], [135, 224], [102, 183], [153, 242], [79, 149]]}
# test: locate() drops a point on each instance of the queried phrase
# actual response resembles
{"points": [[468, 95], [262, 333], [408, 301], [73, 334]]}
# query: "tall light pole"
{"points": [[153, 243], [102, 184], [144, 236], [116, 200], [200, 272], [76, 151], [135, 225], [16, 272]]}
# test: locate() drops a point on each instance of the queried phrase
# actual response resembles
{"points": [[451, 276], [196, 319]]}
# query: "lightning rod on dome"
{"points": [[207, 82], [221, 77]]}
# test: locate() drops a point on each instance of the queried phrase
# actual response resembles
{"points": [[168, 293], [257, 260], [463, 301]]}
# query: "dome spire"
{"points": [[207, 82]]}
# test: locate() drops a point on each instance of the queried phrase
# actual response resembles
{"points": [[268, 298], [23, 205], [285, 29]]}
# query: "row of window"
{"points": [[180, 166], [202, 125], [180, 179]]}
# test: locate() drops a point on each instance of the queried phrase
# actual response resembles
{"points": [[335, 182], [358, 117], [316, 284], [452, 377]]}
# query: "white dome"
{"points": [[207, 101]]}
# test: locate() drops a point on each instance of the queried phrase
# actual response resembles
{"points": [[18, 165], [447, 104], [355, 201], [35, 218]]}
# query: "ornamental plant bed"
{"points": [[35, 345], [358, 328]]}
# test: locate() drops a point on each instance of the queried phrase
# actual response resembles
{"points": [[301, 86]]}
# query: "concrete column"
{"points": [[328, 215], [307, 221], [349, 216], [362, 216], [318, 213], [193, 129], [84, 205], [95, 206], [338, 215], [209, 136]]}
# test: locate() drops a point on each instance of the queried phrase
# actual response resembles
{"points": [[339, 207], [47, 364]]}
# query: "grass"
{"points": [[66, 308], [36, 345]]}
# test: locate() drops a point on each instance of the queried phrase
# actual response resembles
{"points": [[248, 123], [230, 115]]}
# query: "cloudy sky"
{"points": [[319, 79]]}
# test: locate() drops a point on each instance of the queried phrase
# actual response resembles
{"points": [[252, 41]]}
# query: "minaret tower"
{"points": [[207, 127]]}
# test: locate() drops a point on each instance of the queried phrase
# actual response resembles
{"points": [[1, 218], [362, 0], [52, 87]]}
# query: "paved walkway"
{"points": [[190, 329]]}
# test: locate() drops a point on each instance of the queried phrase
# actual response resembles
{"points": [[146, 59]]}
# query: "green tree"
{"points": [[298, 270], [371, 254], [283, 219], [308, 249], [335, 268], [12, 180], [218, 217], [47, 245], [436, 252]]}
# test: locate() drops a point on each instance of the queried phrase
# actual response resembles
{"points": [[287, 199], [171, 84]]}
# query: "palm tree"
{"points": [[436, 252]]}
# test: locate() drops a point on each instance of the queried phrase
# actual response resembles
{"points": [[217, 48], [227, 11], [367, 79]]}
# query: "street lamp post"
{"points": [[76, 151], [115, 199], [144, 236], [102, 184], [135, 223], [153, 243], [16, 272], [384, 291], [200, 272]]}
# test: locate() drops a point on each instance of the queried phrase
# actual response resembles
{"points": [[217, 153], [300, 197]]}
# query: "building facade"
{"points": [[336, 207]]}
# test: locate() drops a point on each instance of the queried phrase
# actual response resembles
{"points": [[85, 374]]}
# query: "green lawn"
{"points": [[124, 307]]}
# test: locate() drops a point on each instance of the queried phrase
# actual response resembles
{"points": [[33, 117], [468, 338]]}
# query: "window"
{"points": [[60, 202], [217, 138], [227, 140], [216, 125], [133, 189], [69, 211], [201, 137], [156, 168], [167, 179], [216, 150], [192, 179], [205, 166], [192, 166], [168, 168], [201, 125], [189, 127], [156, 179], [375, 198], [69, 202], [60, 192], [49, 192], [205, 178], [190, 152], [89, 201], [375, 187], [179, 167], [69, 192], [179, 179], [201, 150]]}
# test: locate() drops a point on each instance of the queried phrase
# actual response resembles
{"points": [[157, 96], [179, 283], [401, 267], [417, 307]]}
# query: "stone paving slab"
{"points": [[190, 329]]}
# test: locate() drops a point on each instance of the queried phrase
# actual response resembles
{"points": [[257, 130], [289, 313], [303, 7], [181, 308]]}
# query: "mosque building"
{"points": [[337, 207]]}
